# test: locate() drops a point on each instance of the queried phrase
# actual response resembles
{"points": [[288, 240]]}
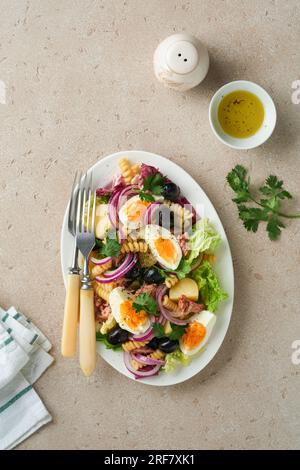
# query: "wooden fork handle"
{"points": [[71, 315], [87, 332]]}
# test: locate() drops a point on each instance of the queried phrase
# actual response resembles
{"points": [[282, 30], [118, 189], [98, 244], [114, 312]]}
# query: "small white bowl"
{"points": [[268, 124]]}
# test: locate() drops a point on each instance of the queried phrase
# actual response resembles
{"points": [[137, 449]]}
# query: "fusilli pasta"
{"points": [[136, 365], [109, 286], [134, 246], [171, 281], [131, 345], [101, 291], [108, 325], [128, 171], [157, 354], [96, 270], [169, 304], [135, 169]]}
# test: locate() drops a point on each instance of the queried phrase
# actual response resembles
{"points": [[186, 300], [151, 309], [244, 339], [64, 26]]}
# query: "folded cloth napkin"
{"points": [[23, 358]]}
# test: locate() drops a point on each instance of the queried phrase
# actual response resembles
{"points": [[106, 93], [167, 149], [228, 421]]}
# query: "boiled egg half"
{"points": [[132, 212], [123, 312], [164, 246], [197, 332]]}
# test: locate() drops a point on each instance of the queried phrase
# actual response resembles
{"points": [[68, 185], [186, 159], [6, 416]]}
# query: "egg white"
{"points": [[124, 217], [206, 318], [116, 298], [152, 232]]}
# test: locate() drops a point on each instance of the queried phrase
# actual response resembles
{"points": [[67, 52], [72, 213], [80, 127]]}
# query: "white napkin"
{"points": [[23, 358]]}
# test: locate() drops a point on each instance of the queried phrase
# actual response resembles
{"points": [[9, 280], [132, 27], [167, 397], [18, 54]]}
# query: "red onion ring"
{"points": [[146, 359], [131, 189], [149, 212], [159, 319], [166, 313], [162, 320], [99, 262], [103, 280], [112, 209], [145, 336], [127, 264], [114, 202], [147, 371]]}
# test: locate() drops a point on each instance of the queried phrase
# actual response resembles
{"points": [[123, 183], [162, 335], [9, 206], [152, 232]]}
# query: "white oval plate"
{"points": [[102, 174]]}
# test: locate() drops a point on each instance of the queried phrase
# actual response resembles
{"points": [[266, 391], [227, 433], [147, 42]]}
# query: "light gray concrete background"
{"points": [[79, 86]]}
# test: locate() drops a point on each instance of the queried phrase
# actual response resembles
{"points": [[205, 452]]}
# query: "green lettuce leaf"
{"points": [[174, 359], [209, 286], [203, 238]]}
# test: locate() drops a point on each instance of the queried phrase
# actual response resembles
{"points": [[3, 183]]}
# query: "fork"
{"points": [[71, 312], [85, 240]]}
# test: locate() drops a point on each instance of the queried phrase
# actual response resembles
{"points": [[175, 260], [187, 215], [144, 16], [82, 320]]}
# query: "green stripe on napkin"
{"points": [[6, 342], [15, 398]]}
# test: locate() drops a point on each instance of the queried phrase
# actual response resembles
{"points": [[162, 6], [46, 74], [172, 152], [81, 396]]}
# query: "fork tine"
{"points": [[93, 213], [83, 208], [76, 196], [72, 203], [89, 189], [79, 205]]}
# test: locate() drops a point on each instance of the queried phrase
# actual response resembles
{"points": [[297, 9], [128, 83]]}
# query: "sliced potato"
{"points": [[102, 221], [187, 287]]}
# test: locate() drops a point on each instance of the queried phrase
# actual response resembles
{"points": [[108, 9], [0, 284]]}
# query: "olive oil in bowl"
{"points": [[241, 114]]}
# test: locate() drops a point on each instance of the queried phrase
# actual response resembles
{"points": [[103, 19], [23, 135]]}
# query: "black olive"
{"points": [[117, 336], [134, 272], [154, 343], [171, 191], [153, 276], [168, 345], [163, 217]]}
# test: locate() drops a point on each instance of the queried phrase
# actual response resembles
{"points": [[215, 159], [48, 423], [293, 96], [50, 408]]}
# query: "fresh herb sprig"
{"points": [[152, 184], [183, 269], [268, 206], [176, 331], [158, 330], [103, 339], [146, 303], [110, 247]]}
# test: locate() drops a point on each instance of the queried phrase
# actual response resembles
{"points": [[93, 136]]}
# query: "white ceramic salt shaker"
{"points": [[181, 62]]}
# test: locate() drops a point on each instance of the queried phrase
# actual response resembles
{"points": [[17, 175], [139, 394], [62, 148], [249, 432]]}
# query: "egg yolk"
{"points": [[165, 249], [129, 316], [135, 210], [193, 335]]}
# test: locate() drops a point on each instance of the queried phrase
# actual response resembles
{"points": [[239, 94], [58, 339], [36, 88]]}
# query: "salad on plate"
{"points": [[155, 289]]}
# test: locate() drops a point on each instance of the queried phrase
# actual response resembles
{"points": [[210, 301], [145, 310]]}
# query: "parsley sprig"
{"points": [[109, 247], [176, 331], [152, 184], [268, 207], [146, 303], [183, 269]]}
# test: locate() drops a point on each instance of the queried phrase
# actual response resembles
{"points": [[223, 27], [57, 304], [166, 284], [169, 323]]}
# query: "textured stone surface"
{"points": [[80, 85]]}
